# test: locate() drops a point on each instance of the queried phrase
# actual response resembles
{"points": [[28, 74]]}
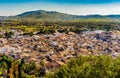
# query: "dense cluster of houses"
{"points": [[56, 49]]}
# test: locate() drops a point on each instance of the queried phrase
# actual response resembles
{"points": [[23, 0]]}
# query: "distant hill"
{"points": [[47, 15], [113, 16], [50, 15], [54, 15], [2, 18]]}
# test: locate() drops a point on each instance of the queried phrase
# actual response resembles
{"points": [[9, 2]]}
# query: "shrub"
{"points": [[28, 33]]}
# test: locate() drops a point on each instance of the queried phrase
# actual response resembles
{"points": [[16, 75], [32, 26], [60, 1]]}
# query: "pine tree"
{"points": [[16, 68], [11, 70]]}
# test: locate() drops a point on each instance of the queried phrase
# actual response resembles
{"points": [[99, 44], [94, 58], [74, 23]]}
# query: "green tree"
{"points": [[9, 34]]}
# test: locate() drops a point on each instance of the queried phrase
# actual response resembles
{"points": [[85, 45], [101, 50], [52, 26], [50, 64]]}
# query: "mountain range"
{"points": [[54, 15]]}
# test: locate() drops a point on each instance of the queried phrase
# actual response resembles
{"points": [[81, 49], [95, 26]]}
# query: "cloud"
{"points": [[75, 9]]}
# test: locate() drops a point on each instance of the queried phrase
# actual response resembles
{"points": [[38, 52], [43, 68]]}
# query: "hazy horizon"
{"points": [[74, 7]]}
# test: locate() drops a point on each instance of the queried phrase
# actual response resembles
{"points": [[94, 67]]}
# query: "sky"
{"points": [[75, 7]]}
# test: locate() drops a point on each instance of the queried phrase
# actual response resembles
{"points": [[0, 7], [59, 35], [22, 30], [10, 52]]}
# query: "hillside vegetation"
{"points": [[81, 67], [49, 27], [89, 67]]}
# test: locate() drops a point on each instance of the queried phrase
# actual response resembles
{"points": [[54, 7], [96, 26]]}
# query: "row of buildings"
{"points": [[56, 49]]}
